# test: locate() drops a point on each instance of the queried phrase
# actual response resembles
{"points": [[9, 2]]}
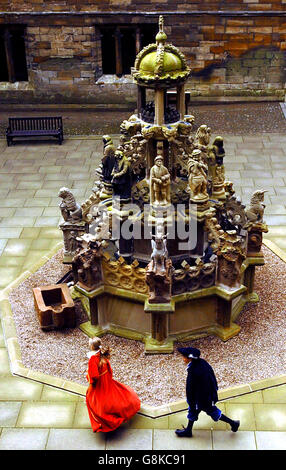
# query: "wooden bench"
{"points": [[33, 127]]}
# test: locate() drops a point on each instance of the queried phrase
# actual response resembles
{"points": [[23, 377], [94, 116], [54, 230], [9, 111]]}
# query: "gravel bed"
{"points": [[258, 352]]}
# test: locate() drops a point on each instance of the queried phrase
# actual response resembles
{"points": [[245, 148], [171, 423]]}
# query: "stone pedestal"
{"points": [[159, 340], [249, 276], [72, 231]]}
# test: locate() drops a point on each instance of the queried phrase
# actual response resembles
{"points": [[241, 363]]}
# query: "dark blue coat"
{"points": [[201, 386]]}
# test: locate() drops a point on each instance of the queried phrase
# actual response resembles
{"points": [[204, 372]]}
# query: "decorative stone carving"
{"points": [[218, 191], [204, 205], [190, 278], [159, 250], [255, 212], [197, 177], [159, 183], [160, 283], [70, 209], [235, 211], [74, 225], [255, 224], [125, 276], [164, 56], [107, 164], [216, 155], [159, 270], [202, 140], [255, 239], [86, 263], [230, 258], [141, 193], [228, 187], [213, 229], [121, 177], [90, 206]]}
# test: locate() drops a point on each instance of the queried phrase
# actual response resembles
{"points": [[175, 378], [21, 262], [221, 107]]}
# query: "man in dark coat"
{"points": [[201, 391]]}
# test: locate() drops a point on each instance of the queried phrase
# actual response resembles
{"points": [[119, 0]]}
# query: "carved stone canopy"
{"points": [[160, 63]]}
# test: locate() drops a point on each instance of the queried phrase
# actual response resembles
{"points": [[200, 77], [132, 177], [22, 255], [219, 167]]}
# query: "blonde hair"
{"points": [[95, 345]]}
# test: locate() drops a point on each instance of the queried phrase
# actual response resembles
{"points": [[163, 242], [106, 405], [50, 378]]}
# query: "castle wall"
{"points": [[235, 49]]}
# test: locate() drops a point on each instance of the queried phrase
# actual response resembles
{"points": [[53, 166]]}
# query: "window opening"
{"points": [[121, 43], [13, 65]]}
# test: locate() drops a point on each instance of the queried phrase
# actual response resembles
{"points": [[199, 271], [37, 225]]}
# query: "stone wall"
{"points": [[235, 49]]}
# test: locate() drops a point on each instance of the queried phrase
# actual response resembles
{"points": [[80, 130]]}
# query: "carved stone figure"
{"points": [[159, 250], [202, 140], [255, 212], [160, 284], [86, 263], [159, 183], [197, 177], [121, 177], [255, 224], [230, 258], [70, 209], [159, 270], [74, 224], [218, 182], [216, 155], [218, 149], [107, 164]]}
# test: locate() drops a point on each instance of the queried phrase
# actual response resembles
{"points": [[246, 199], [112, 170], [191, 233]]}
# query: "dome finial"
{"points": [[161, 23], [161, 35]]}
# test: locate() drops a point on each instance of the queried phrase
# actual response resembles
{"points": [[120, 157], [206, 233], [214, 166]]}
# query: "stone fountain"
{"points": [[163, 250]]}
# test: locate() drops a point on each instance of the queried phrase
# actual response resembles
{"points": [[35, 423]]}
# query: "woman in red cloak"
{"points": [[109, 402]]}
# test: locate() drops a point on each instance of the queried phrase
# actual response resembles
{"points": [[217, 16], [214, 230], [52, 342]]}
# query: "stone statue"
{"points": [[159, 270], [86, 263], [218, 149], [121, 176], [255, 224], [159, 250], [159, 183], [70, 209], [107, 164], [231, 255], [74, 224], [218, 190], [216, 155], [255, 212], [202, 140], [197, 176]]}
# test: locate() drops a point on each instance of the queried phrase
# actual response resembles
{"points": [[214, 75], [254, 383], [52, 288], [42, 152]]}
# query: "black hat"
{"points": [[193, 353]]}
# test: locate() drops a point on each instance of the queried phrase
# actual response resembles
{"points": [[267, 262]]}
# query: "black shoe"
{"points": [[185, 432], [235, 426]]}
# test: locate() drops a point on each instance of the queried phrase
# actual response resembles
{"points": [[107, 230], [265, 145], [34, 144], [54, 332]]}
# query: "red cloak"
{"points": [[109, 402]]}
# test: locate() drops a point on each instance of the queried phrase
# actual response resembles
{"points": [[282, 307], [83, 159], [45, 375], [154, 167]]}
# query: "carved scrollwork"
{"points": [[190, 278]]}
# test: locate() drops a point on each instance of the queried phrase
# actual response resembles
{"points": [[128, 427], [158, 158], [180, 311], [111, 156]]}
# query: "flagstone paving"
{"points": [[37, 416]]}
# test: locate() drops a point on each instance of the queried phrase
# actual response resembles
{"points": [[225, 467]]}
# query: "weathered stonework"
{"points": [[236, 49]]}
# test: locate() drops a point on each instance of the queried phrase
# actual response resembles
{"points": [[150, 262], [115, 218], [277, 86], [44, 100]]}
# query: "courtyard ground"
{"points": [[34, 415]]}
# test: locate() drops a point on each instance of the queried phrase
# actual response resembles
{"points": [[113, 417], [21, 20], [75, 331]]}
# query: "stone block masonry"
{"points": [[235, 49]]}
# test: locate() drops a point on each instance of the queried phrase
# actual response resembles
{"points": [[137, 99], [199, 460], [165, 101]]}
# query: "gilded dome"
{"points": [[170, 63], [160, 63]]}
